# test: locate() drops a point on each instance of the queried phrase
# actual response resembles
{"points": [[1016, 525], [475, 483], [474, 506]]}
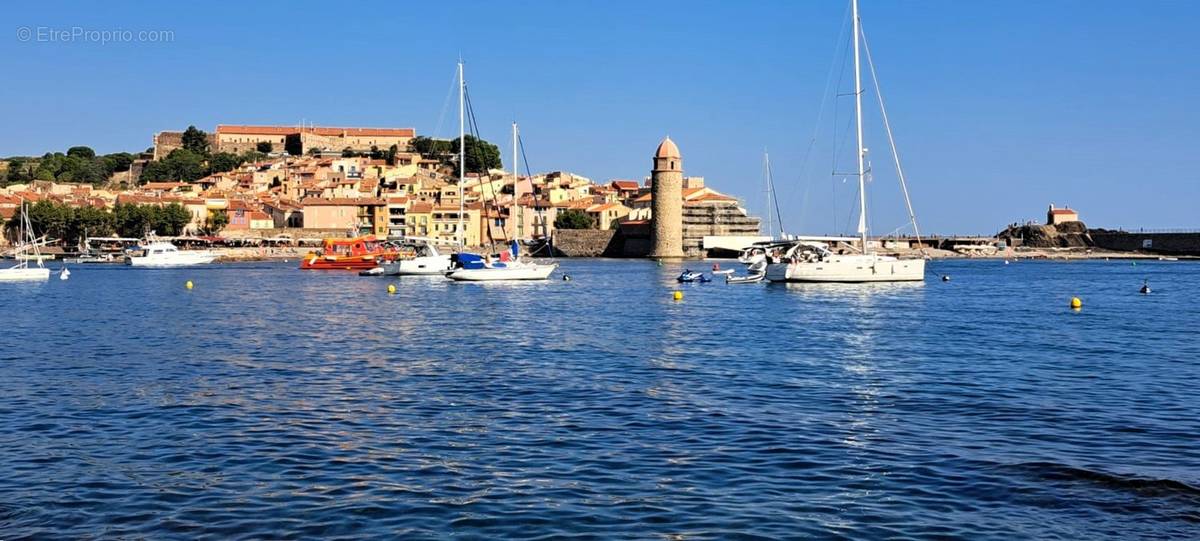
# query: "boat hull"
{"points": [[177, 259], [849, 270], [419, 266], [524, 272], [24, 275], [749, 279], [318, 262]]}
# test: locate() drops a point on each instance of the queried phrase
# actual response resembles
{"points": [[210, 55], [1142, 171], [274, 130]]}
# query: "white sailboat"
{"points": [[511, 267], [811, 261], [28, 247]]}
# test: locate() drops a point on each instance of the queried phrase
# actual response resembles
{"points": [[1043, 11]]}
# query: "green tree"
{"points": [[265, 147], [217, 220], [251, 156], [88, 222], [181, 164], [480, 155], [573, 219], [391, 154], [430, 148], [20, 170], [348, 152], [119, 161], [81, 152], [49, 218], [195, 140], [131, 220], [171, 219], [222, 162]]}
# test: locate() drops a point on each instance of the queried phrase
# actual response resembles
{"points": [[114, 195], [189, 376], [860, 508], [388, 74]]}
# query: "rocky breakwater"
{"points": [[1064, 235]]}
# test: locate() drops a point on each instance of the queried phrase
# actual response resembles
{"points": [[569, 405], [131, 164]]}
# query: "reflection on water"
{"points": [[273, 403]]}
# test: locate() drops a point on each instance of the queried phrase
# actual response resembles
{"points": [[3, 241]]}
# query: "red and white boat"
{"points": [[349, 254]]}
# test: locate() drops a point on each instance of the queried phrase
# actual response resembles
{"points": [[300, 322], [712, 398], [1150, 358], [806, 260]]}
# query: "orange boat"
{"points": [[349, 254]]}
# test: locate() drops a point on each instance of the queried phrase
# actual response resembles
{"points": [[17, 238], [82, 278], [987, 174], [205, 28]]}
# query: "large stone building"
{"points": [[295, 139], [666, 222]]}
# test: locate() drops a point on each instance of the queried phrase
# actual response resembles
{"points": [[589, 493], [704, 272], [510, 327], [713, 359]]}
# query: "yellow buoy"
{"points": [[391, 289], [678, 295], [188, 284], [1076, 303]]}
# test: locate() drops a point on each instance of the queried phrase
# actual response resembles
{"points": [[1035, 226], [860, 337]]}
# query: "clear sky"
{"points": [[999, 107]]}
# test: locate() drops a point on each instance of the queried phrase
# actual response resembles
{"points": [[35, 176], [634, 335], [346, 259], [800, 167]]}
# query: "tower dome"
{"points": [[667, 149]]}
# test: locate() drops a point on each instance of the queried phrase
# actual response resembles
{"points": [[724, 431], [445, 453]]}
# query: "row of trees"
{"points": [[69, 224], [79, 164], [480, 155], [195, 160]]}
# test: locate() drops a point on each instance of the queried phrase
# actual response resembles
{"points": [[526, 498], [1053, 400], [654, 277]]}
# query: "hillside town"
{"points": [[312, 182]]}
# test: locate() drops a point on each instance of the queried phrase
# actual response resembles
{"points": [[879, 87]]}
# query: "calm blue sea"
{"points": [[270, 403]]}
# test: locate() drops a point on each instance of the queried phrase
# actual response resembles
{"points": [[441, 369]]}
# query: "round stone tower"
{"points": [[666, 222]]}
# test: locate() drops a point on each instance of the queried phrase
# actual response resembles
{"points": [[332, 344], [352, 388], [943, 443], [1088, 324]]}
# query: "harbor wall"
{"points": [[626, 241], [584, 242], [1172, 243]]}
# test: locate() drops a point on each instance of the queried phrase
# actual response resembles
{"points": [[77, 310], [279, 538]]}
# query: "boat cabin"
{"points": [[351, 247]]}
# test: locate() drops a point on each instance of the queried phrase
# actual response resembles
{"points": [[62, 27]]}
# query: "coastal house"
{"points": [[365, 215], [1056, 216], [606, 214], [418, 219], [445, 224], [397, 213]]}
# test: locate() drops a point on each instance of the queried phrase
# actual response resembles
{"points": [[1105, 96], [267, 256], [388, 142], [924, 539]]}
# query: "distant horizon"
{"points": [[999, 110]]}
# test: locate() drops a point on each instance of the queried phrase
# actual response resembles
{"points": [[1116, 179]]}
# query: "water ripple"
{"points": [[269, 403]]}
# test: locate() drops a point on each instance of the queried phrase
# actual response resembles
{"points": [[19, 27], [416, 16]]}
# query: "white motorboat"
{"points": [[809, 261], [28, 246], [418, 257], [165, 254], [756, 273]]}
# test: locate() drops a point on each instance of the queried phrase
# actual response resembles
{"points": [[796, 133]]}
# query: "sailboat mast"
{"points": [[462, 153], [767, 182], [862, 181], [516, 207]]}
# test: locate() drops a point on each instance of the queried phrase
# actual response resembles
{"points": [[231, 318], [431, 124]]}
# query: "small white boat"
{"points": [[165, 254], [757, 273], [425, 260], [511, 271], [22, 272], [1168, 259]]}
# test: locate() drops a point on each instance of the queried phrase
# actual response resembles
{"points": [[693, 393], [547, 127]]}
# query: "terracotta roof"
{"points": [[341, 201], [1063, 211], [667, 149], [603, 207], [625, 184], [288, 130], [711, 197], [420, 207]]}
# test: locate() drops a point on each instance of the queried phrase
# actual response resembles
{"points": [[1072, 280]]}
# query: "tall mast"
{"points": [[767, 182], [462, 153], [516, 207], [862, 181]]}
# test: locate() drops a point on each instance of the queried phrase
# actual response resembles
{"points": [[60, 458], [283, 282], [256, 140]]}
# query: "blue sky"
{"points": [[999, 107]]}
